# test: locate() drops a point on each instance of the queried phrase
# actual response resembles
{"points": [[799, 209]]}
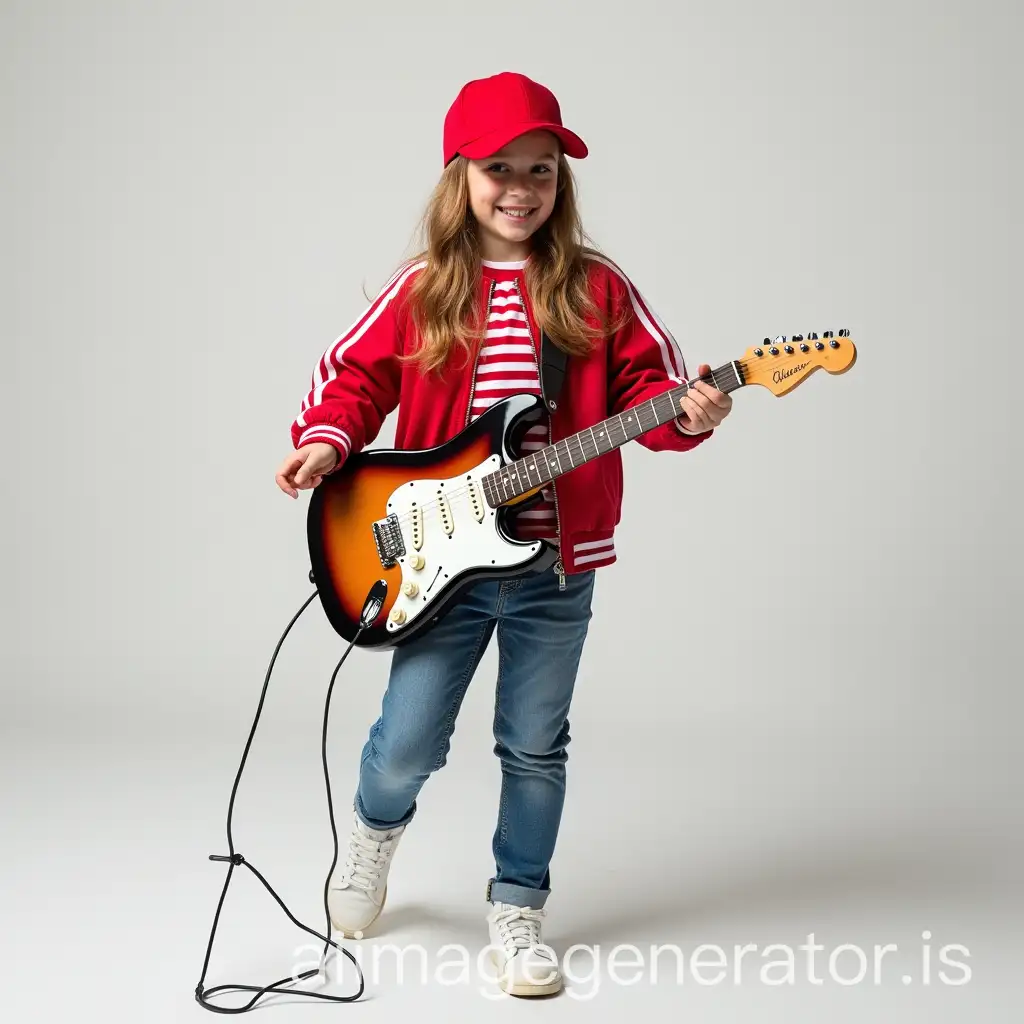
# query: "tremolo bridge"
{"points": [[387, 535]]}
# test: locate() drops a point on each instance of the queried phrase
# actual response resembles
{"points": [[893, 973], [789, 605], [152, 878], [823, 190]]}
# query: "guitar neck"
{"points": [[555, 460]]}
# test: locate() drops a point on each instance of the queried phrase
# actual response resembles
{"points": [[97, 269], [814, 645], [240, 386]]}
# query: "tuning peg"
{"points": [[814, 337]]}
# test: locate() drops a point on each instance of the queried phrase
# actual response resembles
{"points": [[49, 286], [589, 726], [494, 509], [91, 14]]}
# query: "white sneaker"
{"points": [[359, 885], [526, 967]]}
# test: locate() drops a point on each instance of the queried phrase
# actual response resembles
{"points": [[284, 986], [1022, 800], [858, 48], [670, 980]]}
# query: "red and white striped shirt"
{"points": [[359, 379], [507, 365]]}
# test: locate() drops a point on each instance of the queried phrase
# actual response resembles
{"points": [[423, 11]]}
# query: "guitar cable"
{"points": [[371, 609]]}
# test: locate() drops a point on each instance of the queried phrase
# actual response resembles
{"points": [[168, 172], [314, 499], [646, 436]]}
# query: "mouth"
{"points": [[516, 213]]}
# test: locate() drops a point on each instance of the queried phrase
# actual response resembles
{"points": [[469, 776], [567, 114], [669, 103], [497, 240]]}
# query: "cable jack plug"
{"points": [[232, 858]]}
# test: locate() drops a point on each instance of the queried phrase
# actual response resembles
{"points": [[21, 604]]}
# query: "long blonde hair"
{"points": [[444, 296]]}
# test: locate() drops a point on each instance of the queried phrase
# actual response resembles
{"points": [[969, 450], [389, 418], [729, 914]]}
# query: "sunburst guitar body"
{"points": [[416, 527]]}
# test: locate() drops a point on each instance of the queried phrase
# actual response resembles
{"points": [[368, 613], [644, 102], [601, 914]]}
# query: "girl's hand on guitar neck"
{"points": [[704, 407], [305, 468]]}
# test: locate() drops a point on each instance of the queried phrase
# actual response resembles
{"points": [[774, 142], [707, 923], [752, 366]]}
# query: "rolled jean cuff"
{"points": [[517, 895], [376, 823]]}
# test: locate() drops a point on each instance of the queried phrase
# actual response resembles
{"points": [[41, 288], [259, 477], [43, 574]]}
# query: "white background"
{"points": [[798, 710]]}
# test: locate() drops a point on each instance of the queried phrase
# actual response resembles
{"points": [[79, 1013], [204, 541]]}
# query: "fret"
{"points": [[553, 460], [673, 409], [616, 428], [610, 424], [624, 419], [579, 444], [665, 407]]}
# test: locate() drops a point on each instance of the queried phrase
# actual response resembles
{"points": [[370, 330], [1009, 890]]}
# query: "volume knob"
{"points": [[416, 561]]}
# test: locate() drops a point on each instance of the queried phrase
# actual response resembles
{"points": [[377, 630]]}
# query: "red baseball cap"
{"points": [[490, 112]]}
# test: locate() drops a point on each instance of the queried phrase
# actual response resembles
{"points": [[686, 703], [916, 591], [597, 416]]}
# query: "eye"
{"points": [[498, 168]]}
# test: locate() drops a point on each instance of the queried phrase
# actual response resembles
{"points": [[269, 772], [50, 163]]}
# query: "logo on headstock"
{"points": [[780, 375]]}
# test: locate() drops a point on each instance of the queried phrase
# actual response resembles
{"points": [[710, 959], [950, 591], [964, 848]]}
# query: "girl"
{"points": [[455, 330]]}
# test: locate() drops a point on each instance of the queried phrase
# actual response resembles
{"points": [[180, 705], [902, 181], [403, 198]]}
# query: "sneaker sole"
{"points": [[525, 988], [350, 933]]}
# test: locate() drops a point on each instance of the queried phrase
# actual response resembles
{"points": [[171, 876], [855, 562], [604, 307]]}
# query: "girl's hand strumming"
{"points": [[306, 467]]}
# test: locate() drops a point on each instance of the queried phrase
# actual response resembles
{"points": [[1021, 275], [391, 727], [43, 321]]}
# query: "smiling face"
{"points": [[512, 193]]}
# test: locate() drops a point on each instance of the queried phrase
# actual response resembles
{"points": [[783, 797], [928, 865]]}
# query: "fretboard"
{"points": [[547, 464]]}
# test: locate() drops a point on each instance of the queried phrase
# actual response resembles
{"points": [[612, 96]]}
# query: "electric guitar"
{"points": [[395, 535]]}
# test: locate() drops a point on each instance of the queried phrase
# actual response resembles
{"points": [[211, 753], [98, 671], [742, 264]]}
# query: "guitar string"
{"points": [[464, 489], [585, 446]]}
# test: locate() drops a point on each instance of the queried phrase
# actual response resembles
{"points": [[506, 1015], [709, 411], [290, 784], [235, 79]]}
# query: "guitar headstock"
{"points": [[783, 363]]}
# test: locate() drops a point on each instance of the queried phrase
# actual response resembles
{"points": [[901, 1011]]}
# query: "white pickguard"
{"points": [[451, 528]]}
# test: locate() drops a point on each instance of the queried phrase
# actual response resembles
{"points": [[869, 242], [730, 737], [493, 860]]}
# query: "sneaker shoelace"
{"points": [[519, 926], [366, 858]]}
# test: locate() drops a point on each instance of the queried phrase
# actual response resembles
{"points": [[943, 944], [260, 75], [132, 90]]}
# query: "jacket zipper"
{"points": [[559, 567]]}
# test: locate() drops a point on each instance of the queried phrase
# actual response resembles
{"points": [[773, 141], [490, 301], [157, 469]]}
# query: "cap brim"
{"points": [[486, 145]]}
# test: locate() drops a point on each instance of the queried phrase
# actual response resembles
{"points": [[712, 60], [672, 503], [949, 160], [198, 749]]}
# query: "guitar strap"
{"points": [[552, 371]]}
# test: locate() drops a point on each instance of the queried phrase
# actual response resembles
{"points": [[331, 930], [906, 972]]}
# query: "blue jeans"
{"points": [[541, 631]]}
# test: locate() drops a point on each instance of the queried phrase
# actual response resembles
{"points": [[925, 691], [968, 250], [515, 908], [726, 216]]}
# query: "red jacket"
{"points": [[358, 382]]}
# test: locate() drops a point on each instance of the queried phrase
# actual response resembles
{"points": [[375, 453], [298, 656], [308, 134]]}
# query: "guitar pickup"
{"points": [[387, 535]]}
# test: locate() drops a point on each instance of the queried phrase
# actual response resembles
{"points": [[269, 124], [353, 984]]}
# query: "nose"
{"points": [[517, 184]]}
